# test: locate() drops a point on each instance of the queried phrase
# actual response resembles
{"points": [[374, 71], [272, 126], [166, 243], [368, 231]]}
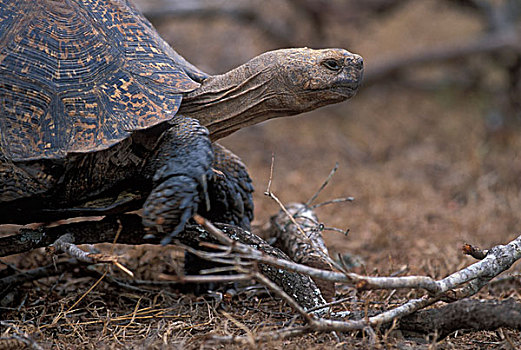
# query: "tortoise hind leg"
{"points": [[22, 191], [181, 165], [230, 190], [16, 182]]}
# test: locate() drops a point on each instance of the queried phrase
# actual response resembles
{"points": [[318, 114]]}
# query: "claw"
{"points": [[188, 212], [204, 184], [218, 173]]}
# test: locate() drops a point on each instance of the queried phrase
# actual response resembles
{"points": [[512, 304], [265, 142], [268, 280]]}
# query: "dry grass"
{"points": [[426, 173]]}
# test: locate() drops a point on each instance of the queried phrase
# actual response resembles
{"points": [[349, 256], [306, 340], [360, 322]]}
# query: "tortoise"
{"points": [[100, 116]]}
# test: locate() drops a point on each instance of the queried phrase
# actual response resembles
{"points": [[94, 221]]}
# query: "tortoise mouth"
{"points": [[350, 81], [345, 90]]}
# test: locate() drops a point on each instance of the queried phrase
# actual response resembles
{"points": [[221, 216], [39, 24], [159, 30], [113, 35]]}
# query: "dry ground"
{"points": [[426, 171]]}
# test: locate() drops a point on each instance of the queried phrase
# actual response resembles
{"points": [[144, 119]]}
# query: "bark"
{"points": [[303, 242]]}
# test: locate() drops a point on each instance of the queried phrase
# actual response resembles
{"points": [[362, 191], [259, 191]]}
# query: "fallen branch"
{"points": [[35, 274], [303, 241], [475, 276], [300, 286], [464, 314], [501, 20]]}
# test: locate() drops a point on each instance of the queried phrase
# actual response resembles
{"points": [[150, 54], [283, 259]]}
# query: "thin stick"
{"points": [[62, 314], [324, 184], [332, 201], [199, 279], [268, 189]]}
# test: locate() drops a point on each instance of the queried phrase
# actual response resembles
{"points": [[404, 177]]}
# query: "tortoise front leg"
{"points": [[182, 165], [230, 190]]}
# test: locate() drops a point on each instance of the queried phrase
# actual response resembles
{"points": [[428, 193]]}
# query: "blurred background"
{"points": [[430, 147]]}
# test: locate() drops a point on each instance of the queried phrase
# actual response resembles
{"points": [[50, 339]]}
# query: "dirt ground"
{"points": [[426, 167]]}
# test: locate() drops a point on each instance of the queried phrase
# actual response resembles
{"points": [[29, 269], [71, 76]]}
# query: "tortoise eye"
{"points": [[332, 64]]}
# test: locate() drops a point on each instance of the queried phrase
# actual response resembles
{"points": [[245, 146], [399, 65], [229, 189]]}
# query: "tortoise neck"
{"points": [[244, 96]]}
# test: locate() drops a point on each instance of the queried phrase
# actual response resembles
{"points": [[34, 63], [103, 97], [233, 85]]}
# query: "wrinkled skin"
{"points": [[139, 137]]}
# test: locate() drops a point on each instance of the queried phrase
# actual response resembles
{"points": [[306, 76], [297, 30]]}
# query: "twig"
{"points": [[64, 244], [282, 207], [199, 279], [63, 314], [499, 259], [218, 234], [335, 229], [35, 274], [272, 165], [324, 184], [332, 201]]}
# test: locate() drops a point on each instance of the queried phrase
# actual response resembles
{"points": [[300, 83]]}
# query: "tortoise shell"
{"points": [[80, 76]]}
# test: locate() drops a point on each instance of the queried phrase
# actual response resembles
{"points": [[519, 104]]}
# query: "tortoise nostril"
{"points": [[354, 61], [358, 62]]}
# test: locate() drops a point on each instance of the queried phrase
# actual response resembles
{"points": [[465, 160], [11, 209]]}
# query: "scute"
{"points": [[125, 94], [80, 76]]}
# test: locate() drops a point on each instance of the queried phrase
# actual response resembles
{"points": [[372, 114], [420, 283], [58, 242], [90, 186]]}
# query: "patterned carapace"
{"points": [[78, 76]]}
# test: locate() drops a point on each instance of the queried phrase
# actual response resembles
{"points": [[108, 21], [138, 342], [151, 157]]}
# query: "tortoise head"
{"points": [[309, 78]]}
